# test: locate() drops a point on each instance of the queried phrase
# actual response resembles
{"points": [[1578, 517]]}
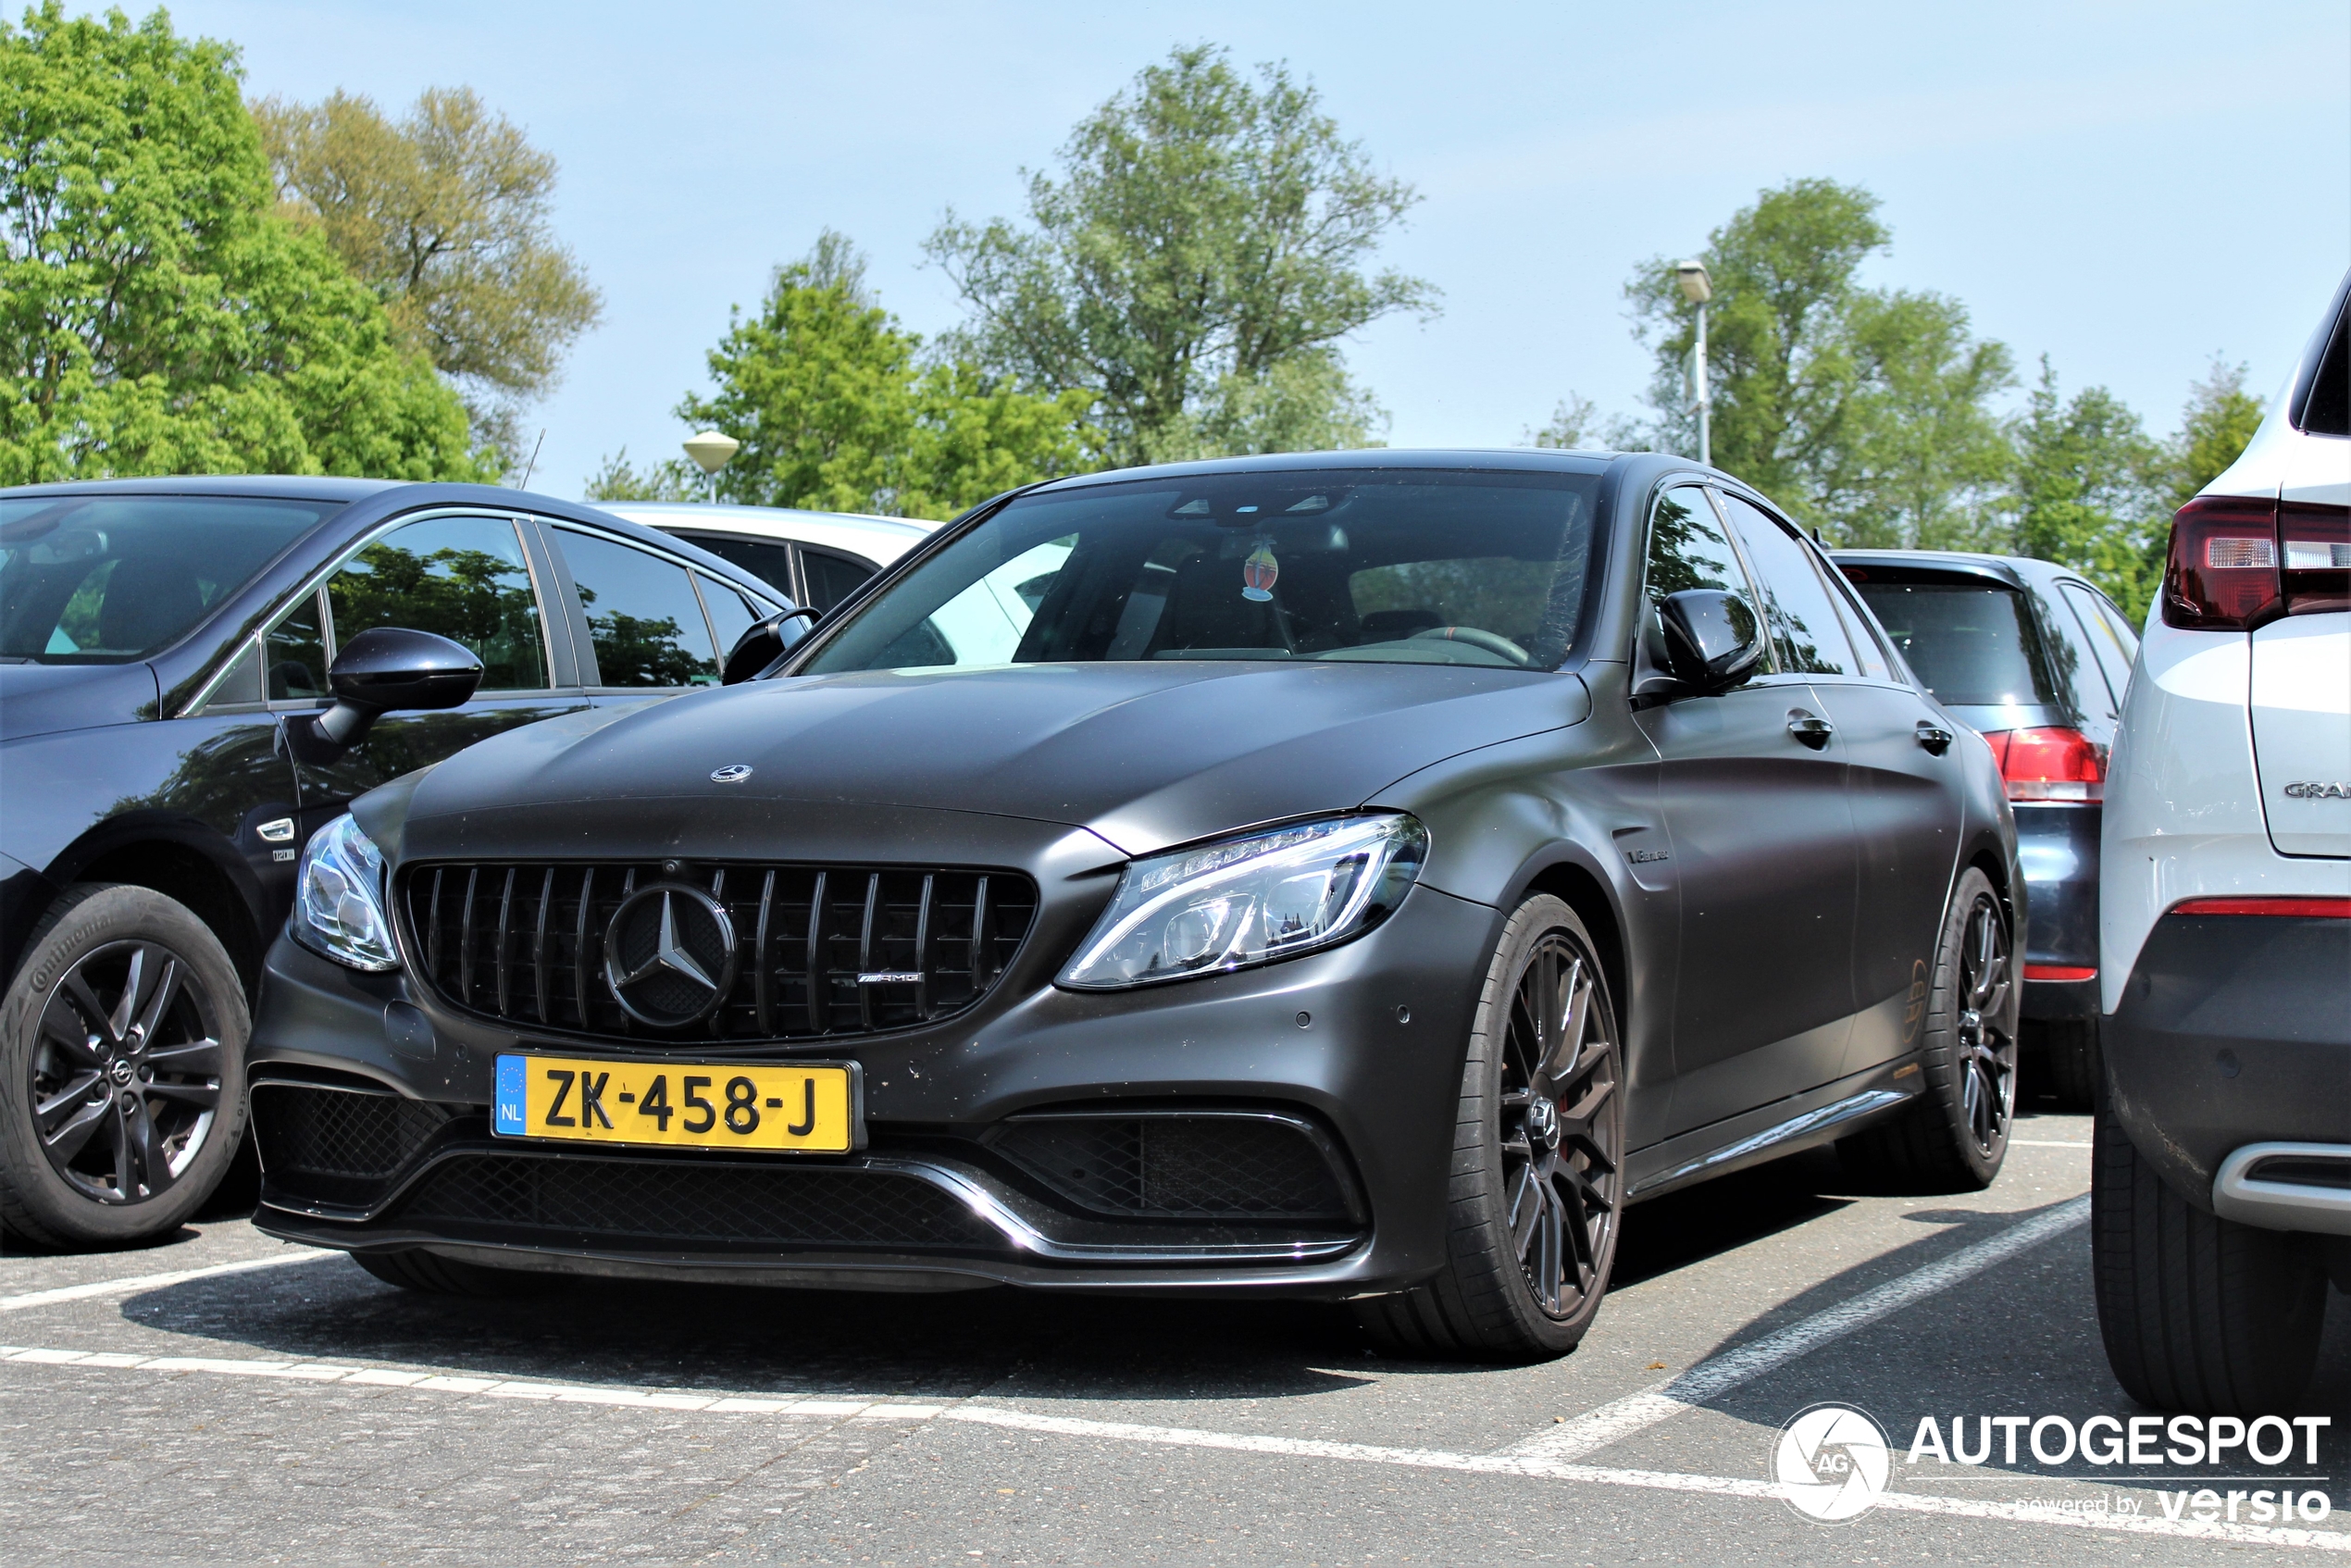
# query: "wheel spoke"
{"points": [[125, 1006], [197, 1057], [68, 1138], [77, 990], [126, 1154], [1526, 1210], [167, 992], [1576, 1020], [154, 1165], [62, 1027], [1579, 1232], [1546, 1284], [48, 1112], [206, 1095]]}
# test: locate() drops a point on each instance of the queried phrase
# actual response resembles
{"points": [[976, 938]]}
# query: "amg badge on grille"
{"points": [[669, 954]]}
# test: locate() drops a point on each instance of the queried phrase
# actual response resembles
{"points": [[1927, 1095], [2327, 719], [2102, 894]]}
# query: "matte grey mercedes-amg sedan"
{"points": [[1357, 875]]}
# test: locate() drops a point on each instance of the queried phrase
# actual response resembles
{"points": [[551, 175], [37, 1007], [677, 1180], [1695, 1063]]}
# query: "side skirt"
{"points": [[1801, 1121]]}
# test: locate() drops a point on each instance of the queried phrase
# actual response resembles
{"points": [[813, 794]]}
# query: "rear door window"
{"points": [[831, 577], [767, 559], [1803, 617], [732, 615], [1971, 641], [2109, 640], [644, 620]]}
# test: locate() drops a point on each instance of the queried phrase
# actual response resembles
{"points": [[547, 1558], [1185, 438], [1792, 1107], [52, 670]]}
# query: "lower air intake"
{"points": [[1181, 1166]]}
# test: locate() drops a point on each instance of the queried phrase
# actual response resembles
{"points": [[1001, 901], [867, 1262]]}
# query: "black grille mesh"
{"points": [[336, 1133], [1179, 1167], [669, 1202], [525, 944]]}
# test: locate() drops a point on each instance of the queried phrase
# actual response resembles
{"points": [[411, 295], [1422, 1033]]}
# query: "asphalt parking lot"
{"points": [[221, 1398]]}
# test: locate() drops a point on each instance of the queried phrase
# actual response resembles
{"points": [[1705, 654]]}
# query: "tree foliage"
{"points": [[2083, 491], [446, 214], [1192, 268], [155, 316], [838, 409], [1867, 412]]}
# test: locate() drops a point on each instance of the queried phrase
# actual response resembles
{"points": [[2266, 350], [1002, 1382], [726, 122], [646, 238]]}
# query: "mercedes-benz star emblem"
{"points": [[669, 955], [733, 773]]}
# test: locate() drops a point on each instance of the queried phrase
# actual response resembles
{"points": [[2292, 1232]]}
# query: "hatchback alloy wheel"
{"points": [[126, 1078], [1987, 1049]]}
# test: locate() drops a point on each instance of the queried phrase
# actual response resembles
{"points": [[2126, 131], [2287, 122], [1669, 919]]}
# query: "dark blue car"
{"points": [[2035, 659], [167, 649]]}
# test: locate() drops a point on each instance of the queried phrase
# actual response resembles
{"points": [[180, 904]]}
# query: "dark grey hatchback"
{"points": [[1356, 875], [2037, 660]]}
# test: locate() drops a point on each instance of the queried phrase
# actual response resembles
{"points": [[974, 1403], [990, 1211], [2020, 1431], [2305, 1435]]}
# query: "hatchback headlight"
{"points": [[339, 907], [1252, 900]]}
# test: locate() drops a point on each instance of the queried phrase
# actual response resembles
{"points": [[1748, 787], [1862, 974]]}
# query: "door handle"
{"points": [[1934, 738], [1810, 729]]}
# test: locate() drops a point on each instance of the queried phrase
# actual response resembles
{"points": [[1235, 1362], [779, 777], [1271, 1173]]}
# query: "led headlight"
{"points": [[339, 905], [1241, 901]]}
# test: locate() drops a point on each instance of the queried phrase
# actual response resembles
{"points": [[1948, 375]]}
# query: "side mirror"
{"points": [[765, 643], [384, 669], [1712, 640]]}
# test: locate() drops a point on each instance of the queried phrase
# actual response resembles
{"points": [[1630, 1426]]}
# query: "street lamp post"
{"points": [[1699, 288], [710, 451]]}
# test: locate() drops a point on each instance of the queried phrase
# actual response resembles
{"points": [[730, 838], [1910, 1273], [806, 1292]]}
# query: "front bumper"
{"points": [[1356, 1052], [2235, 1030]]}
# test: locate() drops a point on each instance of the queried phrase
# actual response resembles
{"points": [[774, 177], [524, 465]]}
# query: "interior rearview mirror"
{"points": [[1712, 640], [384, 669], [765, 643]]}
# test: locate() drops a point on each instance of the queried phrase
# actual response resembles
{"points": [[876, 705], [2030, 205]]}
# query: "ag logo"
{"points": [[1831, 1462], [669, 954]]}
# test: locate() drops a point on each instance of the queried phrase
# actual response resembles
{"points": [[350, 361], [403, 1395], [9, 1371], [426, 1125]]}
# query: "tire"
{"points": [[1954, 1134], [2199, 1314], [2069, 1049], [1537, 1184], [435, 1275], [167, 1071]]}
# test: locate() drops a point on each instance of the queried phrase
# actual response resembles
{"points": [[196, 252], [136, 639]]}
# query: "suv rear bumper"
{"points": [[2235, 1030]]}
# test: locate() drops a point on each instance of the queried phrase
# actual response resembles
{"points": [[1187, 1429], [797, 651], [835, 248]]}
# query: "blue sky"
{"points": [[2131, 189]]}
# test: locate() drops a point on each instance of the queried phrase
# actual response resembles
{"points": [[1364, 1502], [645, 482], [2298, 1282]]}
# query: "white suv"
{"points": [[2222, 1191]]}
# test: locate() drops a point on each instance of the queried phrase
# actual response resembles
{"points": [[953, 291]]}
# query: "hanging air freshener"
{"points": [[1258, 572]]}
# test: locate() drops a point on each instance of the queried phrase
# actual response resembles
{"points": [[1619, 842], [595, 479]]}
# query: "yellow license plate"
{"points": [[811, 1108]]}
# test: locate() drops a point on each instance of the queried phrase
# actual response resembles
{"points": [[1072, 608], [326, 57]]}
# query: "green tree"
{"points": [[1193, 268], [156, 316], [2215, 428], [446, 214], [619, 480], [2084, 489], [1866, 412], [836, 408]]}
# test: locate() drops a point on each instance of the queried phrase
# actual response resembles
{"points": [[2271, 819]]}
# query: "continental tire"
{"points": [[1953, 1137], [2199, 1313], [1537, 1184], [122, 1042], [435, 1275]]}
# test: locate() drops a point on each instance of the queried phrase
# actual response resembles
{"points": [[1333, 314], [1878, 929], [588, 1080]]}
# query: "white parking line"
{"points": [[1519, 1464], [1619, 1419], [123, 1286]]}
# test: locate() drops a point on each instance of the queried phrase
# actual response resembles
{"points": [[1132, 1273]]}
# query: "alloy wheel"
{"points": [[1987, 1043], [126, 1074], [1561, 1130]]}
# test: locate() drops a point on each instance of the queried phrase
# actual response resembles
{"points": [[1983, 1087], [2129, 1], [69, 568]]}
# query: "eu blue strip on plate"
{"points": [[508, 1117]]}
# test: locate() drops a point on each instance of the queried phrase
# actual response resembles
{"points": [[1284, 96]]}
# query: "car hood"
{"points": [[44, 698], [1145, 755]]}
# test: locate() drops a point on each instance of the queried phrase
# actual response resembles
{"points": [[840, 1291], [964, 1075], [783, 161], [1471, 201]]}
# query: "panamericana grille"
{"points": [[669, 1203], [820, 949]]}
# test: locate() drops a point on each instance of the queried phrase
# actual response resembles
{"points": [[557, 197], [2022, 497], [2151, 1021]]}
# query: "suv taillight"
{"points": [[2237, 562], [2050, 765]]}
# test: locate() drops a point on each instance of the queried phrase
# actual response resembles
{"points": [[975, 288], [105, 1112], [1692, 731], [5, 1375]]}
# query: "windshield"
{"points": [[1398, 565], [102, 580]]}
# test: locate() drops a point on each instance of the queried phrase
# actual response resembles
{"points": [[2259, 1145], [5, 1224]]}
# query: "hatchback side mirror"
{"points": [[384, 669], [1711, 637], [765, 643]]}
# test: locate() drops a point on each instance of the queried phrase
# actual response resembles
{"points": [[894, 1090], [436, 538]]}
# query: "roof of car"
{"points": [[274, 487], [885, 538], [1519, 457], [1978, 564]]}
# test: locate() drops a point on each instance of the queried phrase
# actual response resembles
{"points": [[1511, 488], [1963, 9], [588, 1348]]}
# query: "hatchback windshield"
{"points": [[1971, 643], [1396, 566], [101, 579]]}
